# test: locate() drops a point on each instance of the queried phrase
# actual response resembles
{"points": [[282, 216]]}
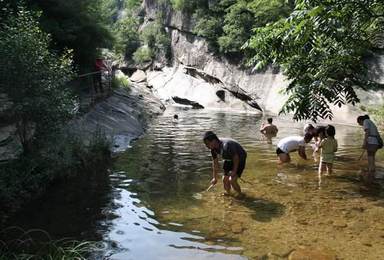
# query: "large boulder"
{"points": [[121, 117]]}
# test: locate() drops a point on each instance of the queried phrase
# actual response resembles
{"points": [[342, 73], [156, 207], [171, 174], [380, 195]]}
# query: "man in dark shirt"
{"points": [[234, 157]]}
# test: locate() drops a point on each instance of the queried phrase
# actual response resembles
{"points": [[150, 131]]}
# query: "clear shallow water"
{"points": [[165, 210], [157, 206]]}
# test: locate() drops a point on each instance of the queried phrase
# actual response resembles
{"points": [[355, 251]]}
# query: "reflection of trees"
{"points": [[68, 210]]}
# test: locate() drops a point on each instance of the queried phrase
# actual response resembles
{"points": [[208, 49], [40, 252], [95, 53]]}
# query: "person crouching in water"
{"points": [[234, 157], [291, 144], [328, 148]]}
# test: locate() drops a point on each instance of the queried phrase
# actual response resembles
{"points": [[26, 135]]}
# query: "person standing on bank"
{"points": [[234, 157], [372, 142]]}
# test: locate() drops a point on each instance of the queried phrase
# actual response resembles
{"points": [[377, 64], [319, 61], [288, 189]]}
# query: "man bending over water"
{"points": [[291, 144], [234, 157]]}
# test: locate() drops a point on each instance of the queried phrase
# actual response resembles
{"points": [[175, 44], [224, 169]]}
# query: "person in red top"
{"points": [[97, 79]]}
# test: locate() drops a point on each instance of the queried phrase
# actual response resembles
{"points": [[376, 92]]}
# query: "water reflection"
{"points": [[136, 234]]}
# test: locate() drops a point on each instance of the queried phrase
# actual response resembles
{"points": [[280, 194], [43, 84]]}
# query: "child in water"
{"points": [[328, 148]]}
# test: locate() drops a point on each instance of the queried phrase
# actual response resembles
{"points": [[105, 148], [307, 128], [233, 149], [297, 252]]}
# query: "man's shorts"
{"points": [[279, 151], [228, 167], [372, 147]]}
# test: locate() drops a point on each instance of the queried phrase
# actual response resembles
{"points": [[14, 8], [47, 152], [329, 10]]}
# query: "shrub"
{"points": [[142, 55]]}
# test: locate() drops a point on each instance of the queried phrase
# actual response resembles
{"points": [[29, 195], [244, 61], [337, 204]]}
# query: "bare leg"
{"points": [[320, 180], [329, 168], [234, 184], [371, 162], [284, 158], [227, 184], [321, 167]]}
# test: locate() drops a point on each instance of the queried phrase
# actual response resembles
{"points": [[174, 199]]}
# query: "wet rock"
{"points": [[217, 234], [269, 256], [311, 254]]}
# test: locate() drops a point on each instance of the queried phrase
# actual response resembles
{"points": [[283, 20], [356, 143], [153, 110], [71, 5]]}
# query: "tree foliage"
{"points": [[127, 36], [77, 25], [320, 47], [228, 24], [34, 78]]}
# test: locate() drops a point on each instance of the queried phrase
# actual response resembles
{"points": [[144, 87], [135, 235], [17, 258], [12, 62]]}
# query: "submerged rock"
{"points": [[237, 228], [311, 254]]}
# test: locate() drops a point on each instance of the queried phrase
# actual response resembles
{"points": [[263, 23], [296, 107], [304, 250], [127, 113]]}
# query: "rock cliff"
{"points": [[261, 88]]}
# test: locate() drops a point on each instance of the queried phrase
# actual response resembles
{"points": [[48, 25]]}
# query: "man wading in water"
{"points": [[234, 157]]}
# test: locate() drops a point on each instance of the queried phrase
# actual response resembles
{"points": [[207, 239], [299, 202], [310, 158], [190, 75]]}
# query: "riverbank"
{"points": [[84, 148]]}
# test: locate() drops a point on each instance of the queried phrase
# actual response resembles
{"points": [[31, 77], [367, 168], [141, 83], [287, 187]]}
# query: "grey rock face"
{"points": [[121, 117], [264, 88]]}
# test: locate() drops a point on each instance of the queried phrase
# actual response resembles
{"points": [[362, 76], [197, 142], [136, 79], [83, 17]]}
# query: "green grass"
{"points": [[22, 246]]}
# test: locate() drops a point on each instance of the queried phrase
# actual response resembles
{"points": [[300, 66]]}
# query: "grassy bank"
{"points": [[23, 246]]}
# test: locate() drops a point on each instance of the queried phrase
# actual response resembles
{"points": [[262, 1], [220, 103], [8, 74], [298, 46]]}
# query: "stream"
{"points": [[153, 203]]}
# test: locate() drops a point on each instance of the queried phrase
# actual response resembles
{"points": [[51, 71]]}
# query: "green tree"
{"points": [[228, 24], [127, 36], [77, 25], [237, 29], [142, 55], [34, 78], [320, 47]]}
